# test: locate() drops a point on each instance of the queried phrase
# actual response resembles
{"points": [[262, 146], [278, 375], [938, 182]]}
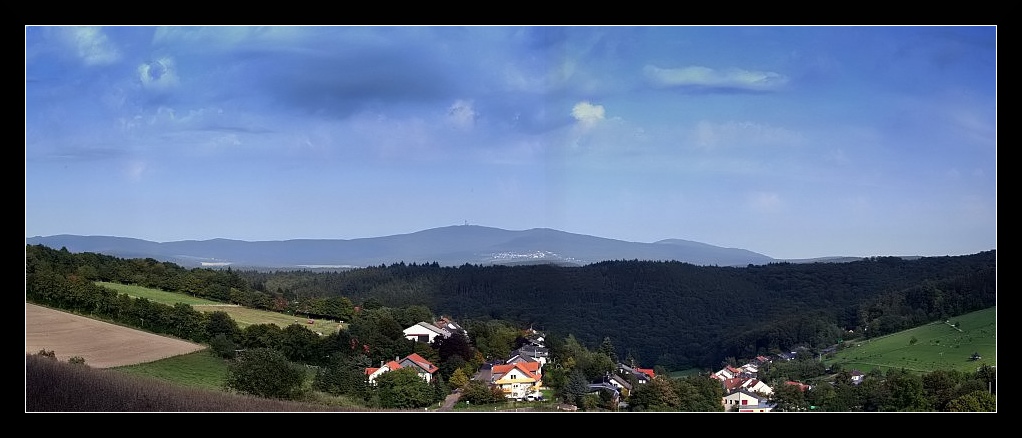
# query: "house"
{"points": [[726, 373], [751, 384], [757, 386], [743, 400], [425, 332], [801, 386], [535, 337], [597, 388], [524, 358], [423, 367], [541, 353], [642, 375], [452, 327], [622, 384], [517, 379], [788, 356], [857, 376]]}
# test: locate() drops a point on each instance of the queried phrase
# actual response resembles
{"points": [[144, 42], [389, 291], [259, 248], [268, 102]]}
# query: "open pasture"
{"points": [[938, 345], [241, 315]]}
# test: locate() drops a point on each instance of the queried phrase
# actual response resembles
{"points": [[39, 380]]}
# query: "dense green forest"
{"points": [[668, 314]]}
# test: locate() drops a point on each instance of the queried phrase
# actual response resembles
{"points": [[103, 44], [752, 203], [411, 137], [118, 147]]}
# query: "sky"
{"points": [[792, 142]]}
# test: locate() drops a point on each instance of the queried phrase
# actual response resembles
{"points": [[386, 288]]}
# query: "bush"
{"points": [[266, 373]]}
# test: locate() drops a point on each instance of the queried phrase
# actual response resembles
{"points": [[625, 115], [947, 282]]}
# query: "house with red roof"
{"points": [[424, 368], [518, 379]]}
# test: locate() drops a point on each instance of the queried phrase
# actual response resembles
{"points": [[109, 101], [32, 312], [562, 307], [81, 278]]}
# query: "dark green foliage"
{"points": [[222, 346], [299, 344], [480, 393], [344, 375], [265, 373], [575, 389], [220, 323], [404, 389], [658, 395], [976, 401]]}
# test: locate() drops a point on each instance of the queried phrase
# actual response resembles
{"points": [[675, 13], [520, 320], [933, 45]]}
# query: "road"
{"points": [[450, 401]]}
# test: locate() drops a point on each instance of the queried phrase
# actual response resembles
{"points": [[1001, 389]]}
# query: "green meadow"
{"points": [[200, 369], [243, 316], [938, 345], [156, 295]]}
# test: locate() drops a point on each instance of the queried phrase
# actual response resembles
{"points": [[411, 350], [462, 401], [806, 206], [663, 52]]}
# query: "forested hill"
{"points": [[677, 314], [672, 314]]}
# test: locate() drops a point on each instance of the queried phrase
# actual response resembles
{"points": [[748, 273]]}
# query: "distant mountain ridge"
{"points": [[448, 246]]}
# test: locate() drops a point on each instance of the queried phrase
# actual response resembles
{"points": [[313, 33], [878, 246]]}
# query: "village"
{"points": [[520, 376]]}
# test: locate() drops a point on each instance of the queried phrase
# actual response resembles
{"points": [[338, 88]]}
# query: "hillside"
{"points": [[447, 246]]}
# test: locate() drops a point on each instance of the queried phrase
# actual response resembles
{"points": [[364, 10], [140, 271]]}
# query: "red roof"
{"points": [[647, 371]]}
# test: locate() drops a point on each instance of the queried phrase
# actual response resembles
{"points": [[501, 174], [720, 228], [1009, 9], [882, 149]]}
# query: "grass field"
{"points": [[933, 346], [200, 369], [156, 295], [241, 315]]}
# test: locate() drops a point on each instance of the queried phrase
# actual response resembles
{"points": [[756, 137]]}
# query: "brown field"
{"points": [[101, 344]]}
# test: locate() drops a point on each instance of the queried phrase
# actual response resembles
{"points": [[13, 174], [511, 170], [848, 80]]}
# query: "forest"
{"points": [[658, 313]]}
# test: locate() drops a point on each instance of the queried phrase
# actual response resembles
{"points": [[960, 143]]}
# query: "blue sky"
{"points": [[793, 142]]}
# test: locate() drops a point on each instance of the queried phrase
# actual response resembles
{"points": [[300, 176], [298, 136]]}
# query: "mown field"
{"points": [[241, 315], [938, 345]]}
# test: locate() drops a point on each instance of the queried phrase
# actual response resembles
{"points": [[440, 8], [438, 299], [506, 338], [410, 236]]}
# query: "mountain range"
{"points": [[448, 246]]}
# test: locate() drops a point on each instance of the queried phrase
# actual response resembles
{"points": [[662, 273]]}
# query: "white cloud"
{"points": [[92, 46], [698, 76], [587, 114], [461, 114], [159, 75]]}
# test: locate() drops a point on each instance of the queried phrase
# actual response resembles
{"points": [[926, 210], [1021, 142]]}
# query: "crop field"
{"points": [[939, 345], [101, 344], [241, 315]]}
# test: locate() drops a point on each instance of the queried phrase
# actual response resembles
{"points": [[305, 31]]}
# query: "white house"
{"points": [[743, 400], [425, 332]]}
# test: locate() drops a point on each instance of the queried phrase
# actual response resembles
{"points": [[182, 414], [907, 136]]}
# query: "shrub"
{"points": [[267, 373]]}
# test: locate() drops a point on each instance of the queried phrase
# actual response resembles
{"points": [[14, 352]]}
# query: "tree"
{"points": [[344, 375], [607, 348], [440, 387], [976, 401], [575, 389], [458, 378], [789, 398], [265, 373], [221, 346], [906, 391], [404, 389], [300, 344], [219, 322], [658, 395], [479, 392]]}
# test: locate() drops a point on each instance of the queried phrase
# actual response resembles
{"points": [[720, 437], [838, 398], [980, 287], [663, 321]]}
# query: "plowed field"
{"points": [[101, 344]]}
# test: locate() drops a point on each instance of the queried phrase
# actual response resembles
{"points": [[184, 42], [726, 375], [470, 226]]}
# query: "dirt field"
{"points": [[101, 344]]}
